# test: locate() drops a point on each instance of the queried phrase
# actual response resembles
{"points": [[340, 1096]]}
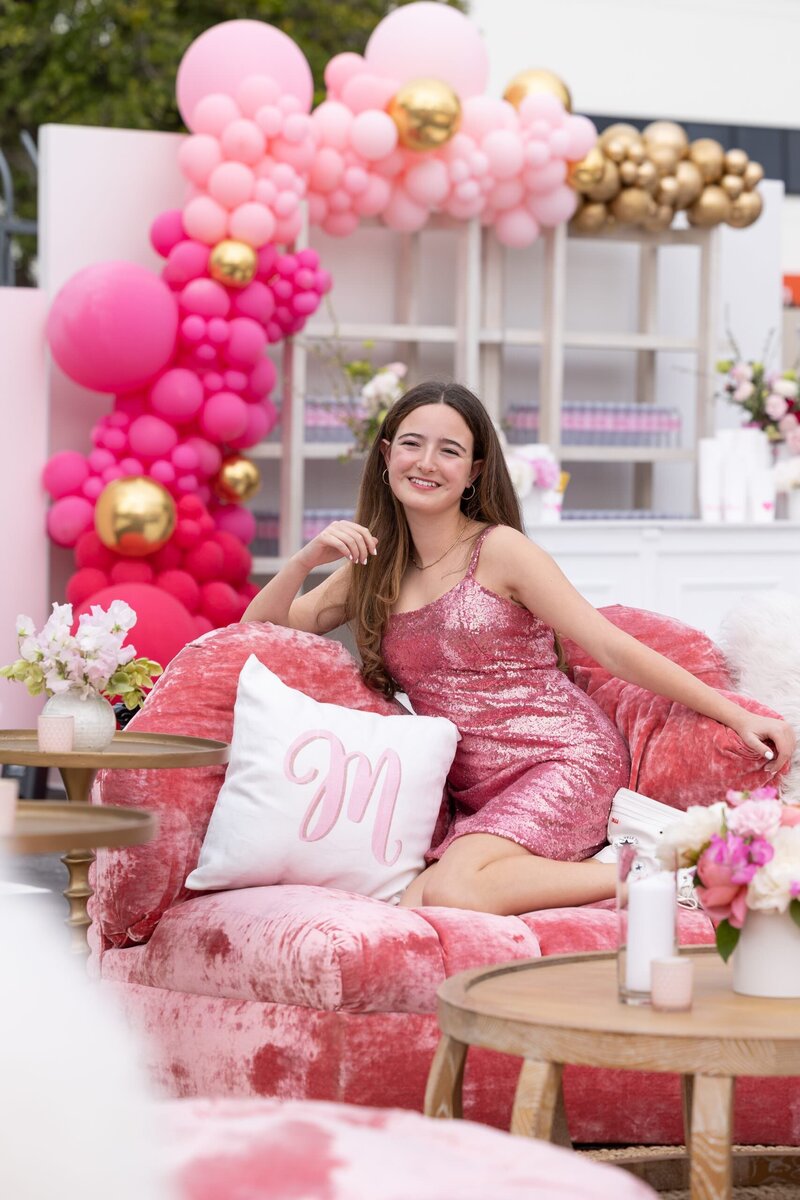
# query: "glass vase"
{"points": [[95, 722], [646, 918]]}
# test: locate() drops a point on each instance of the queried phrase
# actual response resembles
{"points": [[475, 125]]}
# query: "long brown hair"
{"points": [[373, 590]]}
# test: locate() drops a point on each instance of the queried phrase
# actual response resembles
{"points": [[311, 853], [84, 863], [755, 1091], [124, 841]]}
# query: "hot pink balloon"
{"points": [[246, 342], [224, 55], [68, 519], [208, 455], [205, 298], [65, 473], [188, 260], [177, 395], [255, 300], [428, 40], [224, 416], [166, 231], [112, 327], [151, 437], [257, 428], [262, 378], [236, 520]]}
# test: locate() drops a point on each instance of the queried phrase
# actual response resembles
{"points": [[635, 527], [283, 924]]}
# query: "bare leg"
{"points": [[492, 874]]}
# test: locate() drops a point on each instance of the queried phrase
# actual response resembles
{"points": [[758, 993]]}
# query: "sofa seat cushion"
{"points": [[308, 1150], [318, 948]]}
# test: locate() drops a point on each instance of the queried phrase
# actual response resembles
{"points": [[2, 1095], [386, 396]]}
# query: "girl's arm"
{"points": [[522, 570]]}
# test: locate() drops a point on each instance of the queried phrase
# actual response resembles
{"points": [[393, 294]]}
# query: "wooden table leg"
{"points": [[539, 1103], [687, 1093], [445, 1079], [711, 1166], [78, 785]]}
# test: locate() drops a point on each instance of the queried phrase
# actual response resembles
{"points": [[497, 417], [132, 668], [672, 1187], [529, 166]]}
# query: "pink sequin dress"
{"points": [[538, 762]]}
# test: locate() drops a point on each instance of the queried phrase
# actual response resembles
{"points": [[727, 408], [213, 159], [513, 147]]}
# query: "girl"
{"points": [[452, 604]]}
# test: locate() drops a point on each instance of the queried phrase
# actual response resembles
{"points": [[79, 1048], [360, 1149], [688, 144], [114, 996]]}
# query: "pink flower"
{"points": [[741, 372], [775, 406], [790, 814], [743, 392], [794, 888], [720, 887], [788, 424], [793, 440], [755, 818]]}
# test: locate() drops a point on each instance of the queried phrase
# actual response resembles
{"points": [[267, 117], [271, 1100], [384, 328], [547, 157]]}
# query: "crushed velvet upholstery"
{"points": [[264, 1150], [304, 992]]}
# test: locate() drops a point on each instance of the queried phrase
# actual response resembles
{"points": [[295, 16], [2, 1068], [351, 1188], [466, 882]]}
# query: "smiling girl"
{"points": [[452, 604]]}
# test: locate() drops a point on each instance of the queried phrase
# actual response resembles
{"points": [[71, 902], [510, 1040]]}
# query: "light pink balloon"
{"points": [[505, 152], [209, 456], [375, 198], [151, 437], [537, 153], [516, 227], [286, 203], [326, 171], [222, 57], [552, 208], [340, 224], [332, 123], [481, 114], [395, 162], [428, 40], [212, 113], [365, 92], [542, 180], [269, 119], [233, 518], [255, 91], [287, 229], [197, 157], [542, 106], [231, 184], [317, 208], [167, 231], [243, 141], [341, 68], [297, 127], [402, 214], [427, 183], [113, 326], [559, 143], [69, 518], [373, 135], [506, 195], [205, 220], [246, 343], [252, 223], [206, 298], [340, 201], [464, 210], [299, 155], [177, 395], [581, 135], [188, 260], [224, 416]]}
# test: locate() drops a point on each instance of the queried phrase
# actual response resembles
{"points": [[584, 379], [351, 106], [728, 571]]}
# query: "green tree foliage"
{"points": [[113, 62]]}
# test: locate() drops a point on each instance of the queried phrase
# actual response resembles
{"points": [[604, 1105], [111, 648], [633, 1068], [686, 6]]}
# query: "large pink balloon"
{"points": [[225, 55], [113, 326], [163, 625], [429, 40]]}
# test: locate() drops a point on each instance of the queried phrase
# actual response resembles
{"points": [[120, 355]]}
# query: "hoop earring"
{"points": [[385, 476], [464, 495]]}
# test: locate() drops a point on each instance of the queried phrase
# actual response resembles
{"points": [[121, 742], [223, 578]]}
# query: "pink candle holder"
{"points": [[671, 983], [9, 790], [55, 735]]}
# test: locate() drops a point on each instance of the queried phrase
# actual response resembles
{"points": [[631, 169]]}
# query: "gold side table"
{"points": [[78, 768]]}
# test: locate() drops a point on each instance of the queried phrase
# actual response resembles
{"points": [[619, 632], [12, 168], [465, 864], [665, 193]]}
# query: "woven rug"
{"points": [[782, 1182]]}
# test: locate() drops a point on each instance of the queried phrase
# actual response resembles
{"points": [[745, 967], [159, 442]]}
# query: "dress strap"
{"points": [[476, 550]]}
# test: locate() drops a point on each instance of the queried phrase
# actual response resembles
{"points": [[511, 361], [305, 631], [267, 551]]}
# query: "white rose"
{"points": [[687, 836], [786, 388], [770, 888], [521, 472]]}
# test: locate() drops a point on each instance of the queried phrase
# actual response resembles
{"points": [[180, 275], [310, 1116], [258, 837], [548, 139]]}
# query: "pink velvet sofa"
{"points": [[304, 992]]}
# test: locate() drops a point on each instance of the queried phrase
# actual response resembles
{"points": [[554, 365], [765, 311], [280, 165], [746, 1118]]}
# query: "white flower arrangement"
{"points": [[532, 467], [92, 660], [786, 474]]}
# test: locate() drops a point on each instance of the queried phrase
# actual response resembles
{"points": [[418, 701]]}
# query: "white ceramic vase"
{"points": [[766, 961], [95, 721], [793, 504]]}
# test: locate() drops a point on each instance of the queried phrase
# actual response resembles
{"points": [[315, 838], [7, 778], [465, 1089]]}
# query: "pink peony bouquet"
{"points": [[746, 855]]}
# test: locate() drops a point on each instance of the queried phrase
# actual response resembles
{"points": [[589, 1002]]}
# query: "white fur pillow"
{"points": [[761, 640], [320, 794]]}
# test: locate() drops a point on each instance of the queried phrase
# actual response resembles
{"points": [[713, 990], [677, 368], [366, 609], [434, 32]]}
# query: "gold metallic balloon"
{"points": [[745, 210], [619, 131], [647, 176], [753, 174], [709, 156], [535, 81], [427, 113], [608, 185], [690, 183], [660, 220], [667, 190], [134, 516], [663, 158], [237, 479], [233, 263], [635, 152], [587, 171], [628, 172], [616, 149], [712, 206], [590, 217], [733, 185], [736, 162], [632, 206], [666, 133]]}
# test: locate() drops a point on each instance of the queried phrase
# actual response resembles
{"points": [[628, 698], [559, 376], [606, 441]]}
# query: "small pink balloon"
{"points": [[231, 183], [211, 114], [374, 200], [197, 157], [131, 466], [339, 201], [187, 260], [193, 329], [287, 203], [100, 459], [177, 395], [224, 416], [258, 425], [212, 381], [163, 472], [265, 192], [581, 136], [269, 119], [262, 378], [252, 223], [339, 224], [552, 208], [365, 92], [506, 195], [256, 91], [317, 209], [505, 152], [298, 155], [184, 458], [465, 210], [113, 326], [206, 298], [516, 227], [115, 440], [246, 342], [395, 162], [226, 54], [341, 68], [402, 214], [218, 330], [542, 106], [373, 135], [430, 41], [327, 170], [305, 303], [332, 123], [65, 473], [235, 381], [166, 231], [243, 141], [559, 143], [209, 457], [428, 182], [483, 114], [287, 229], [296, 128], [68, 518], [151, 437], [537, 153], [187, 483], [255, 300], [205, 220], [92, 488], [542, 180]]}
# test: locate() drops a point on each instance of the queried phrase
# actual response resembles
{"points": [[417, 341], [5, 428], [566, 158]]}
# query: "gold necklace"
{"points": [[427, 566]]}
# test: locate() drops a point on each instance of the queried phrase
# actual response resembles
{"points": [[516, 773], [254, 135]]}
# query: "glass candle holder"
{"points": [[55, 734], [646, 919], [671, 983], [9, 790]]}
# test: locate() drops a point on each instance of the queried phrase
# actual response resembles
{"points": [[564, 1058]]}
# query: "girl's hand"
{"points": [[341, 539], [756, 732]]}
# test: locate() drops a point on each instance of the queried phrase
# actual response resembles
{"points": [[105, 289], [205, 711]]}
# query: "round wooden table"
{"points": [[48, 826], [558, 1010], [78, 768]]}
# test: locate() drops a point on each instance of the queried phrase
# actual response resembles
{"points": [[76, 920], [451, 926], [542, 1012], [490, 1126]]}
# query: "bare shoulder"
{"points": [[506, 546]]}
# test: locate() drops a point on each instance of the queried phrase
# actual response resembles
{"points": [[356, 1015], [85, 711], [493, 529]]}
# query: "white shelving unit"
{"points": [[479, 337]]}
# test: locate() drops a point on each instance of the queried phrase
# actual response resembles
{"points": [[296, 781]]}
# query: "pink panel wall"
{"points": [[23, 445]]}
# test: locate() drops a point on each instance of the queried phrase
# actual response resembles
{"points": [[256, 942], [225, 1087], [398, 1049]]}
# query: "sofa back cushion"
{"points": [[195, 697]]}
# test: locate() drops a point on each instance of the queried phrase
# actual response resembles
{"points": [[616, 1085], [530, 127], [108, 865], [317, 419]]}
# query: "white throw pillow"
{"points": [[320, 794]]}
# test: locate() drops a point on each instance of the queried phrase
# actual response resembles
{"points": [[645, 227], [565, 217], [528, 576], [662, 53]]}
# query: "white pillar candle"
{"points": [[9, 790], [55, 734], [671, 980], [651, 926]]}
